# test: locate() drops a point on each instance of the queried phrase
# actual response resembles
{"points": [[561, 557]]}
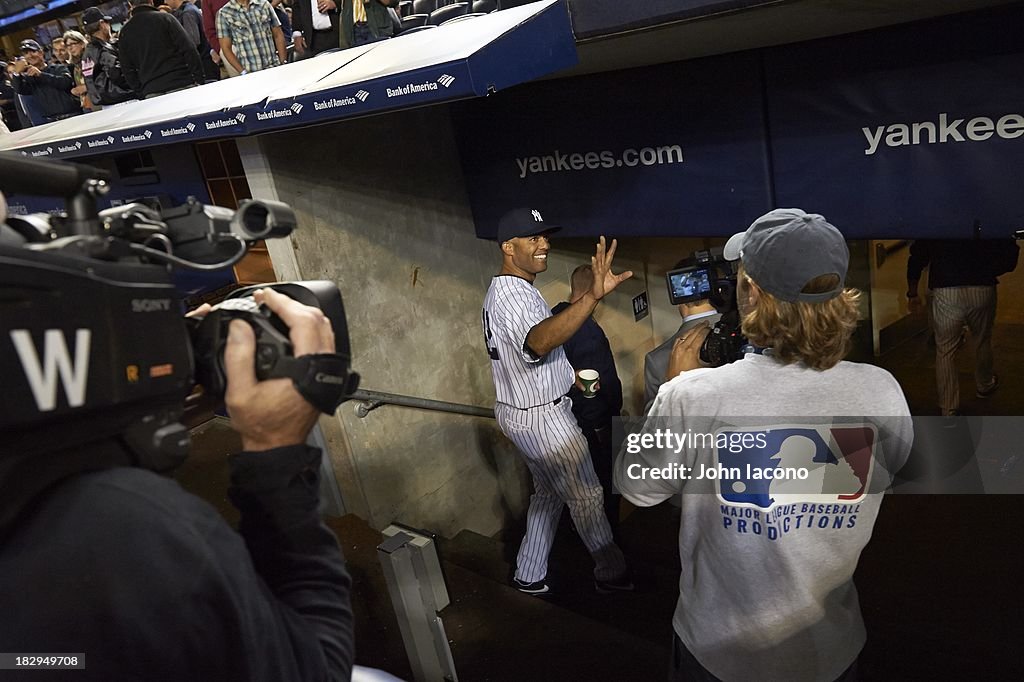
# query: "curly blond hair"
{"points": [[817, 334]]}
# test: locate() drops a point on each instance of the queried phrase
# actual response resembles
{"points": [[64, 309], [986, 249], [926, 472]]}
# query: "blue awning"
{"points": [[468, 58]]}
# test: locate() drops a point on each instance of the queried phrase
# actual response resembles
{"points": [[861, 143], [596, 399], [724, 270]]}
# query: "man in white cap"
{"points": [[766, 589]]}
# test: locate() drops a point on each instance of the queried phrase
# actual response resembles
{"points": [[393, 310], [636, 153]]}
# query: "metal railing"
{"points": [[371, 400]]}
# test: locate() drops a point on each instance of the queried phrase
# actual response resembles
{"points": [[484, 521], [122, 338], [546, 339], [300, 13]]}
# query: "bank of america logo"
{"points": [[446, 80], [362, 95], [148, 134], [49, 150], [110, 139], [297, 108], [191, 127], [78, 145], [240, 117]]}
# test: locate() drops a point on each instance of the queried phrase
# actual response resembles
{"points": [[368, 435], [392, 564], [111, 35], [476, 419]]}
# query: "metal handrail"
{"points": [[371, 400]]}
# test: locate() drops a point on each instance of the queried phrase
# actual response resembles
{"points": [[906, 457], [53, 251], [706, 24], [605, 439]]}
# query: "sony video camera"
{"points": [[93, 342], [709, 276]]}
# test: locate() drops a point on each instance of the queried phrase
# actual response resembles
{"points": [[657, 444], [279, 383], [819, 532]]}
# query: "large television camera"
{"points": [[707, 275], [94, 345]]}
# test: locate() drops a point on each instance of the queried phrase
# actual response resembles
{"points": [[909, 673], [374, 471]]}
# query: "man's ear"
{"points": [[507, 248]]}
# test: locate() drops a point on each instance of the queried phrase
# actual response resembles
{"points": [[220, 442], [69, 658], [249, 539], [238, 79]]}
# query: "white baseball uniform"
{"points": [[534, 412]]}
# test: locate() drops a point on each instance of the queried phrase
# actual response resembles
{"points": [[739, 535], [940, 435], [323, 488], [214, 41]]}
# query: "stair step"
{"points": [[646, 614]]}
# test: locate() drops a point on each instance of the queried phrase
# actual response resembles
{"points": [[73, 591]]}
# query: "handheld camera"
{"points": [[708, 276], [93, 342]]}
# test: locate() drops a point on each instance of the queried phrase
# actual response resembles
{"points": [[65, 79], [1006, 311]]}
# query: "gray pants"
{"points": [[952, 308], [563, 474]]}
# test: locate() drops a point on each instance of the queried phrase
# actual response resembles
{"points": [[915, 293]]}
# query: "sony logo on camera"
{"points": [[150, 305]]}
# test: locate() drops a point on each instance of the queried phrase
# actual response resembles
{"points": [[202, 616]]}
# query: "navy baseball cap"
{"points": [[92, 17], [523, 222], [29, 45], [786, 248]]}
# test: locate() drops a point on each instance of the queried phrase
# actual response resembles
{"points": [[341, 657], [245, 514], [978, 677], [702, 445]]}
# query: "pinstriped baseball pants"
{"points": [[556, 454], [952, 308]]}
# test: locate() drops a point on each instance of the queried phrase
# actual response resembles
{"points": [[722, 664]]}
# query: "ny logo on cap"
{"points": [[536, 216]]}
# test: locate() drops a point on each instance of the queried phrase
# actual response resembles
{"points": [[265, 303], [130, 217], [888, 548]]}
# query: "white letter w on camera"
{"points": [[42, 377]]}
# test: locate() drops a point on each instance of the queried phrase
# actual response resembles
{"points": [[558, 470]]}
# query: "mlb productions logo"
{"points": [[819, 464]]}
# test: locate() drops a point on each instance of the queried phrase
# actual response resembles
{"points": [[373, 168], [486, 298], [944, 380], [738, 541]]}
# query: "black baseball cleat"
{"points": [[537, 588], [990, 389], [623, 584]]}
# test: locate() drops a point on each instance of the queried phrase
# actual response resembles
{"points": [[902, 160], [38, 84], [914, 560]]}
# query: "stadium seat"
{"points": [[396, 21], [413, 20], [416, 29], [484, 6], [423, 6], [443, 14], [28, 110], [463, 17], [405, 8]]}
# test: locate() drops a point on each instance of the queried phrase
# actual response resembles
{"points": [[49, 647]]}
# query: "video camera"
{"points": [[93, 342], [709, 276]]}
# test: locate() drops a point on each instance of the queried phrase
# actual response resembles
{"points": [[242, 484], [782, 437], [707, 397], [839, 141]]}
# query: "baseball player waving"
{"points": [[531, 379]]}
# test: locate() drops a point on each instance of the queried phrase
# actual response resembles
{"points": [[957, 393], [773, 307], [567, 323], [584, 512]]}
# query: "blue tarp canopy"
{"points": [[468, 58]]}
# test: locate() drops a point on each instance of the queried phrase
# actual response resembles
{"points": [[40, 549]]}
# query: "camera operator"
{"points": [[766, 589], [147, 581], [695, 314]]}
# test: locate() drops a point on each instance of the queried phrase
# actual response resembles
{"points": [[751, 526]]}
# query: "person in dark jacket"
{"points": [[315, 28], [148, 582], [101, 64], [156, 55], [588, 348], [366, 21], [8, 108], [49, 84], [191, 19]]}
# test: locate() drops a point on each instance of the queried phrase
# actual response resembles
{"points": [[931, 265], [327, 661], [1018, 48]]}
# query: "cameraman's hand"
{"points": [[271, 414], [686, 351]]}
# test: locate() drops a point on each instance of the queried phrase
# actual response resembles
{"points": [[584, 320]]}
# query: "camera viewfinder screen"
{"points": [[689, 284]]}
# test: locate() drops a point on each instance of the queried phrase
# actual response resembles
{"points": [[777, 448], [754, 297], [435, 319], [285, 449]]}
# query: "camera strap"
{"points": [[323, 379]]}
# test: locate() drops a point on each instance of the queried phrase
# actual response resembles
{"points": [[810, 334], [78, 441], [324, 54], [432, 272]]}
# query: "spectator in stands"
{"points": [[316, 26], [282, 16], [191, 19], [60, 51], [75, 43], [8, 107], [210, 9], [101, 63], [250, 36], [156, 54], [366, 21], [49, 85]]}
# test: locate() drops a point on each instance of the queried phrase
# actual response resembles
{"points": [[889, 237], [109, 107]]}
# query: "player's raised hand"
{"points": [[605, 280]]}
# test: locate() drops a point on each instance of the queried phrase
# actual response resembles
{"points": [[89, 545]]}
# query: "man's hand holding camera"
{"points": [[271, 414], [686, 351]]}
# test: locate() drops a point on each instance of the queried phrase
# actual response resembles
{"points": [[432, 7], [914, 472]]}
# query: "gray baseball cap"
{"points": [[786, 248]]}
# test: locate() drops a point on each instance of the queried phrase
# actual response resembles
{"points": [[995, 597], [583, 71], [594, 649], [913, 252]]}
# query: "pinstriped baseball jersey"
{"points": [[512, 308]]}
